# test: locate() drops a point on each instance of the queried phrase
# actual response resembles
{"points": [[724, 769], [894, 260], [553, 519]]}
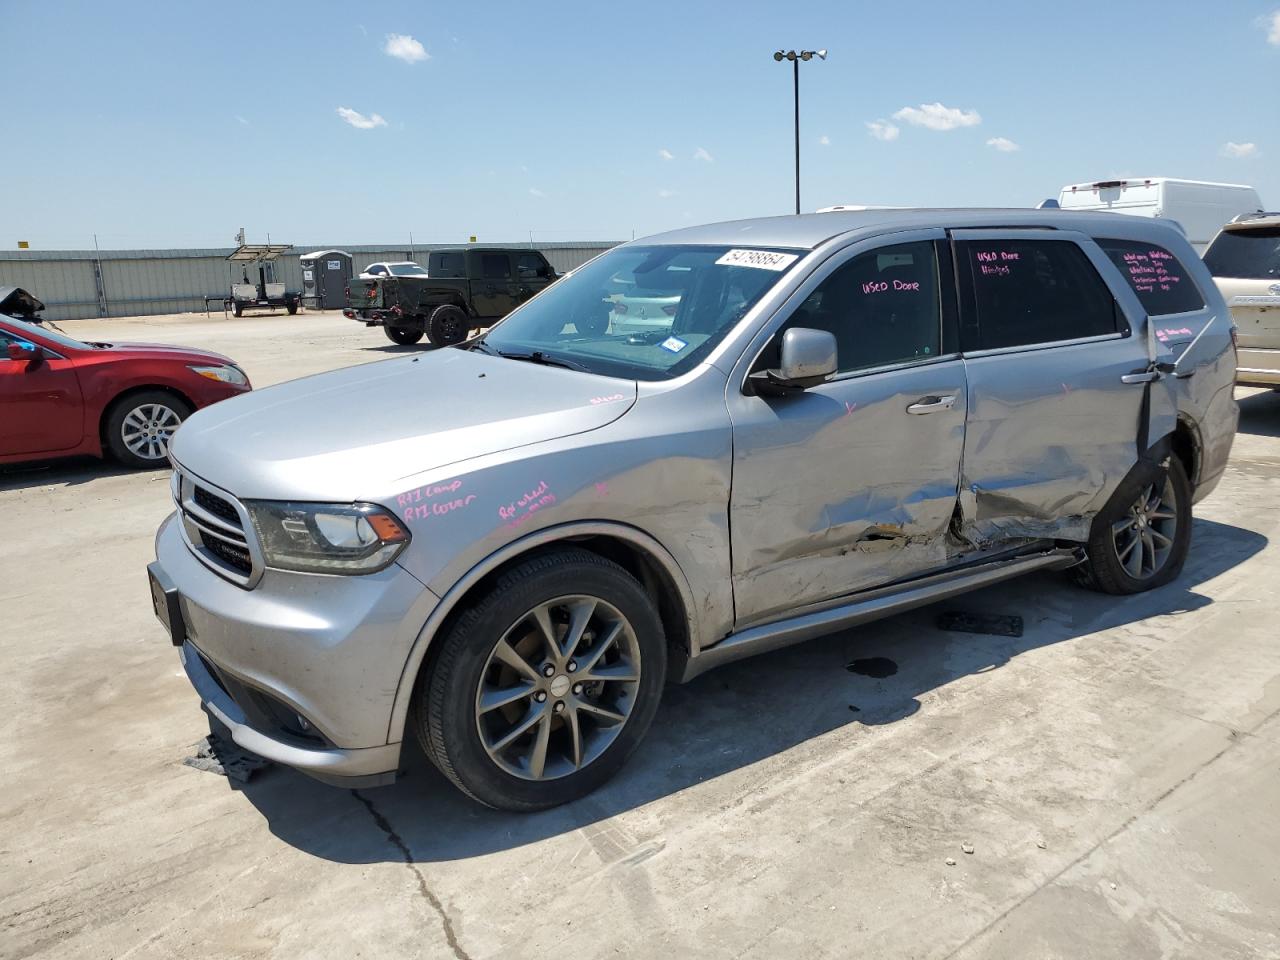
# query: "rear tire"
{"points": [[447, 325], [599, 677], [292, 308], [139, 427], [402, 335], [237, 310], [1141, 538]]}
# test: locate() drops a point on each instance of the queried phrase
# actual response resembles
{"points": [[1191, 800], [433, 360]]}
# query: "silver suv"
{"points": [[506, 549]]}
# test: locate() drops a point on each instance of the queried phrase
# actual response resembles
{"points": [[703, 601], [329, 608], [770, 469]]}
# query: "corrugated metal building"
{"points": [[124, 283]]}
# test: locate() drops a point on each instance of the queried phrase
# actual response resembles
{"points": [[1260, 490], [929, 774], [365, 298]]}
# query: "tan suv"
{"points": [[1244, 259]]}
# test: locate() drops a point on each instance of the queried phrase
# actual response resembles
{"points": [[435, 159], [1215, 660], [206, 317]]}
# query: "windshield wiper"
{"points": [[537, 356]]}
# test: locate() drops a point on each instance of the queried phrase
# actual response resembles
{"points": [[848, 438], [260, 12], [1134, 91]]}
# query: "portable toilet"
{"points": [[325, 275]]}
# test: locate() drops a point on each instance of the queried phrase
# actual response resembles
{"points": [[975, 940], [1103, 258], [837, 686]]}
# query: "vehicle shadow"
{"points": [[422, 347], [713, 726], [1260, 414], [68, 472]]}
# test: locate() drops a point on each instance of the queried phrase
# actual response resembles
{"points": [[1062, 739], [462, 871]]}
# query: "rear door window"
{"points": [[495, 266], [1245, 254], [1156, 276], [1028, 292]]}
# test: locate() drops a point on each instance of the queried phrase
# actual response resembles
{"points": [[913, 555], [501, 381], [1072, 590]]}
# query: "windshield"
{"points": [[644, 313], [407, 270], [1245, 254], [22, 328]]}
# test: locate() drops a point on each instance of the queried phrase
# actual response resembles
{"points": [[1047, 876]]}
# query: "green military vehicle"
{"points": [[464, 289]]}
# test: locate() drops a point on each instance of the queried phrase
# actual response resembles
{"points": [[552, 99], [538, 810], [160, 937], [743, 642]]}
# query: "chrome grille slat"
{"points": [[209, 521], [226, 546]]}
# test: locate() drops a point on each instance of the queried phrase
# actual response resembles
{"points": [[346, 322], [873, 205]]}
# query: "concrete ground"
{"points": [[1103, 786]]}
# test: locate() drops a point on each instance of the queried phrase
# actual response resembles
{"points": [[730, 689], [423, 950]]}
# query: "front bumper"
{"points": [[365, 767], [327, 649]]}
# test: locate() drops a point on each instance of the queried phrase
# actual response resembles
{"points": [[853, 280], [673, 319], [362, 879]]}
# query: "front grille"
{"points": [[236, 557], [219, 507], [217, 529]]}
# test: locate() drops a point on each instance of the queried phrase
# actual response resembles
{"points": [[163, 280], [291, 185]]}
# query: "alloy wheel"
{"points": [[148, 428], [558, 688], [1143, 537]]}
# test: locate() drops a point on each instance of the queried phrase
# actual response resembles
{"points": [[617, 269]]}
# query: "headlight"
{"points": [[224, 373], [326, 537]]}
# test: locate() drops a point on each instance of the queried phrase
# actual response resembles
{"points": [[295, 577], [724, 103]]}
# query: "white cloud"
{"points": [[1239, 151], [241, 120], [1272, 26], [359, 120], [666, 154], [824, 140], [935, 116], [664, 193], [535, 192], [1003, 144], [883, 130], [701, 154], [404, 47]]}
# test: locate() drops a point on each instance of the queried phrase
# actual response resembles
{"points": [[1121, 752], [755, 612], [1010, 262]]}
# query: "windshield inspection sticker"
{"points": [[674, 344], [760, 259]]}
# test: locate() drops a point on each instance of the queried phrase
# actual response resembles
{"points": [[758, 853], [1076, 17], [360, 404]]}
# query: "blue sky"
{"points": [[173, 124]]}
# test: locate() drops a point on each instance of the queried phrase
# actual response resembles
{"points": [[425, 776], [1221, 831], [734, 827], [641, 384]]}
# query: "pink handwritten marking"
{"points": [[428, 492], [849, 407], [610, 399], [437, 509], [880, 286], [994, 269], [602, 489], [993, 256], [518, 511]]}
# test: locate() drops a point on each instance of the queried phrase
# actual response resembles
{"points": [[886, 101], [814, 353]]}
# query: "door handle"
{"points": [[1145, 376], [932, 404]]}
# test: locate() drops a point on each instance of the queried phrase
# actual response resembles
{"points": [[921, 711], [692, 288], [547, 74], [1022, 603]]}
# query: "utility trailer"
{"points": [[257, 288]]}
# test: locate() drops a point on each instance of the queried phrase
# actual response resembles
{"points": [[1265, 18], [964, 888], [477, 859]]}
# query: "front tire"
{"points": [[1141, 538], [542, 690], [139, 427], [402, 335], [447, 325]]}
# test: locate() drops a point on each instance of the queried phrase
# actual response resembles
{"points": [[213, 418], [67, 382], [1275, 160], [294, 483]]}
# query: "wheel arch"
{"points": [[632, 549], [1185, 443], [110, 406]]}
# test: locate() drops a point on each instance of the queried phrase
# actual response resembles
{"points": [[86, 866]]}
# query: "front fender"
{"points": [[512, 551]]}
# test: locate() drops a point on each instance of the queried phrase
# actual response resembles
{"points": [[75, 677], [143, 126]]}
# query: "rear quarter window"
{"points": [[447, 265], [1158, 277]]}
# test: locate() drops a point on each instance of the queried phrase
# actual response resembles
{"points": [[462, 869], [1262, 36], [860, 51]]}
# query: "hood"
{"points": [[354, 432], [164, 351]]}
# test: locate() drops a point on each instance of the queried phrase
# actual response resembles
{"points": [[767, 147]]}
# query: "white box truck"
{"points": [[1200, 208]]}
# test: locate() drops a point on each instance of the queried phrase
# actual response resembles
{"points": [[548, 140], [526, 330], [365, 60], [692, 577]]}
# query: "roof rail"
{"points": [[1256, 215]]}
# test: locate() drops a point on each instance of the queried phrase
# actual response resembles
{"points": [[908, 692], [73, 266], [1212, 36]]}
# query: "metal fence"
{"points": [[123, 283]]}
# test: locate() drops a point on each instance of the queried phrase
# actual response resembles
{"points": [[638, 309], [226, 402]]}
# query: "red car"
{"points": [[60, 397]]}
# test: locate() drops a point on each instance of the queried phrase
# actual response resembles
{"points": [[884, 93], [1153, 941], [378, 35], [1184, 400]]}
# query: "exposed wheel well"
{"points": [[1185, 445], [653, 577], [133, 391]]}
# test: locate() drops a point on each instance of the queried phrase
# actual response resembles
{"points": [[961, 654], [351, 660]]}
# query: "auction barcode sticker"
{"points": [[760, 259]]}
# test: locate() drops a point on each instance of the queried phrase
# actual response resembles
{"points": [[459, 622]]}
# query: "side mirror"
{"points": [[807, 358], [24, 350]]}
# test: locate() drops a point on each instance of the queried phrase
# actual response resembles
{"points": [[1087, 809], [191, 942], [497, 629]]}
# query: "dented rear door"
{"points": [[1059, 384]]}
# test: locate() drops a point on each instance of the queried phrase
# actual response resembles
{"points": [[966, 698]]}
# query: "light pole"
{"points": [[795, 59]]}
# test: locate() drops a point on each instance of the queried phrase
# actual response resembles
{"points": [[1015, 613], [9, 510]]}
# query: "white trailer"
{"points": [[1200, 208]]}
